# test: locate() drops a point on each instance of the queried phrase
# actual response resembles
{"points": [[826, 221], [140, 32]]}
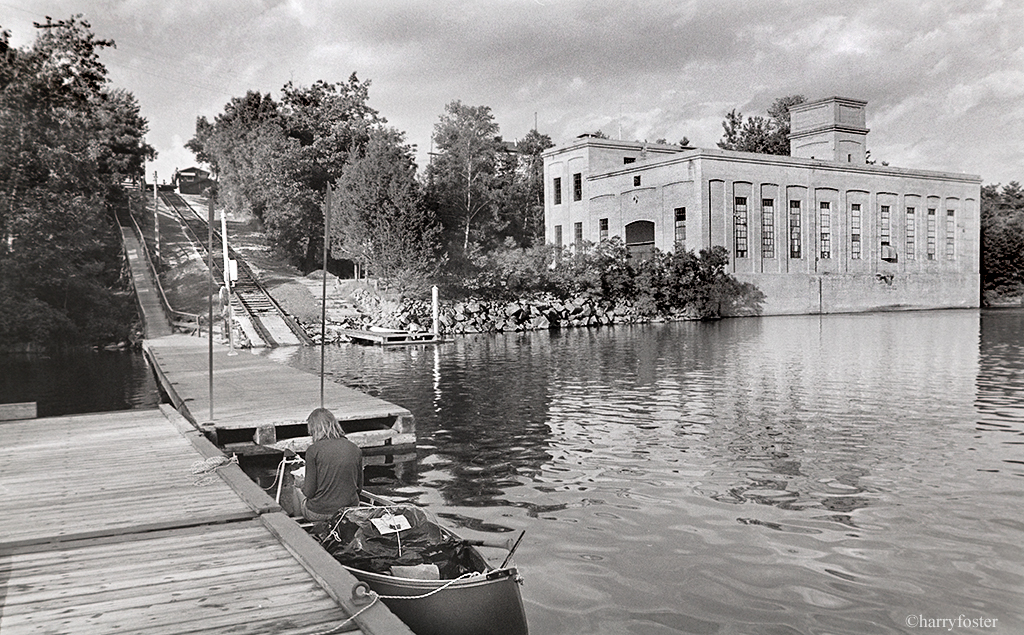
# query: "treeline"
{"points": [[472, 222], [69, 139], [274, 158], [1002, 242]]}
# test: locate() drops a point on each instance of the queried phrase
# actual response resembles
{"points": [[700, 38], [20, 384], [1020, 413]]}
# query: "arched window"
{"points": [[640, 239]]}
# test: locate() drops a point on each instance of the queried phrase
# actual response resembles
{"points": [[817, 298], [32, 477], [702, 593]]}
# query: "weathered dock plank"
{"points": [[251, 392], [17, 411], [121, 522]]}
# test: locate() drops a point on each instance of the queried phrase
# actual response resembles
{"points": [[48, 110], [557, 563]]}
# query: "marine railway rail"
{"points": [[248, 293]]}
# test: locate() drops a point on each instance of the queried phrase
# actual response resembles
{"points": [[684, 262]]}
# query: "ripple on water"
{"points": [[828, 474]]}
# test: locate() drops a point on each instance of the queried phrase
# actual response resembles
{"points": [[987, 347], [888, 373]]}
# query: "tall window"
{"points": [[680, 213], [884, 224], [950, 234], [767, 228], [603, 225], [636, 180], [911, 234], [557, 188], [825, 226], [740, 226], [930, 245], [577, 186], [558, 236], [855, 231], [794, 229]]}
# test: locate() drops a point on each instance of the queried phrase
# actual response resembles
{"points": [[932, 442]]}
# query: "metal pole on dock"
{"points": [[323, 302], [156, 218], [209, 252]]}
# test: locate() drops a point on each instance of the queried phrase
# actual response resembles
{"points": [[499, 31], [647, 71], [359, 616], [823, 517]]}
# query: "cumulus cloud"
{"points": [[942, 80]]}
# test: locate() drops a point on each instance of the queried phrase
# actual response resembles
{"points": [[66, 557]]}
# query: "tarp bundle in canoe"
{"points": [[378, 538]]}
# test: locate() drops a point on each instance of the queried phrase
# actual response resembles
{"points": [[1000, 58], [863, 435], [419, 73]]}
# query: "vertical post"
{"points": [[209, 252], [156, 218], [228, 317], [323, 303], [434, 308]]}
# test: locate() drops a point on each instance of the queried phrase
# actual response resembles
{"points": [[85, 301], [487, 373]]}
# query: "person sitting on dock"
{"points": [[334, 469]]}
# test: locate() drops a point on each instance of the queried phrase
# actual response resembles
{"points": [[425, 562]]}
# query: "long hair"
{"points": [[323, 425]]}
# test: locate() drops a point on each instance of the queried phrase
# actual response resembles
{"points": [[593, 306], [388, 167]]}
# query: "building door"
{"points": [[640, 239]]}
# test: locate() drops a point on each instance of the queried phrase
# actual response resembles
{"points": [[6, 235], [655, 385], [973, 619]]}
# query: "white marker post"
{"points": [[228, 316]]}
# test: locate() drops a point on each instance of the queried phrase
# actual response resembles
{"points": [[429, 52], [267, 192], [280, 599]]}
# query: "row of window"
{"points": [[885, 226], [795, 236], [577, 187]]}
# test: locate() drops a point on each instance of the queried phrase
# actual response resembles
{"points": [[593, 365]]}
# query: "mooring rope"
{"points": [[204, 470], [338, 628], [428, 594]]}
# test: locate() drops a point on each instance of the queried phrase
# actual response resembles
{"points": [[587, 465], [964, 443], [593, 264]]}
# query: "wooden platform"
{"points": [[130, 522], [254, 394], [392, 338]]}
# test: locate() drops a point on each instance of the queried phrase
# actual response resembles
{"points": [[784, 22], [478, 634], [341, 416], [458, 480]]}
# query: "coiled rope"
{"points": [[204, 470]]}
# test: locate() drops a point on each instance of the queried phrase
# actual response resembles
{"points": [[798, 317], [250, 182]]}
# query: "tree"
{"points": [[1002, 240], [275, 159], [764, 135], [69, 141], [461, 176], [378, 218]]}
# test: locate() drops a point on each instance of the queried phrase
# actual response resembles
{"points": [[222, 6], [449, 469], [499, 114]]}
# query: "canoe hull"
{"points": [[488, 604]]}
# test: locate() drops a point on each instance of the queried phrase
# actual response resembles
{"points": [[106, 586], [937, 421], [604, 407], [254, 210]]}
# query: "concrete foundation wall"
{"points": [[801, 294]]}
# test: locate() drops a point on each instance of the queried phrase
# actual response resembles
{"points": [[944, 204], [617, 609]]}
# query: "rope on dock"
{"points": [[204, 471], [338, 628], [374, 596]]}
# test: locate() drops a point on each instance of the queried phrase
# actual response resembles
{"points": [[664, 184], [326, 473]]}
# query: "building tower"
{"points": [[830, 129]]}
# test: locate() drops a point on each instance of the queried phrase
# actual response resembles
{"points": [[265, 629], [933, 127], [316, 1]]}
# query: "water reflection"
{"points": [[78, 381], [790, 474]]}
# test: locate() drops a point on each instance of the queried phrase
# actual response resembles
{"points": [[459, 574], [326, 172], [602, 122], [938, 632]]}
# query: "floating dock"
{"points": [[260, 406], [133, 522], [392, 338]]}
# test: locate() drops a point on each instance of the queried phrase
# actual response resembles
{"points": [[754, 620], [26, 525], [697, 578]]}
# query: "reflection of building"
{"points": [[819, 231]]}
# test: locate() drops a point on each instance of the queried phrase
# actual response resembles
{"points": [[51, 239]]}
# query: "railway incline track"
{"points": [[273, 325]]}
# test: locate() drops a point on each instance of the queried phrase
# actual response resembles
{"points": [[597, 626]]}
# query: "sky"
{"points": [[944, 79]]}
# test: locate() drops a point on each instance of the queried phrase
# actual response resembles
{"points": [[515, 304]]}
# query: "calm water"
{"points": [[79, 381], [837, 474]]}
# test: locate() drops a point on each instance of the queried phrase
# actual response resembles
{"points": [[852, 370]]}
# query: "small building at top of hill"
{"points": [[820, 231], [192, 180]]}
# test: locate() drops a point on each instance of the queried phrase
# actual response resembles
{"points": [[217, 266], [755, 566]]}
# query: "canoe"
{"points": [[482, 600]]}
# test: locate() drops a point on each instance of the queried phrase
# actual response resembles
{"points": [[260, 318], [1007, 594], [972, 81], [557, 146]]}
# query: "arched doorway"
{"points": [[640, 239]]}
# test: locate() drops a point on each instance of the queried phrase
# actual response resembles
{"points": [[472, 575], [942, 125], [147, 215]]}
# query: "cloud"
{"points": [[942, 80]]}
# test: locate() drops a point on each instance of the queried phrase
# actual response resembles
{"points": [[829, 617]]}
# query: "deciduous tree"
{"points": [[378, 218], [764, 135], [69, 141], [461, 176]]}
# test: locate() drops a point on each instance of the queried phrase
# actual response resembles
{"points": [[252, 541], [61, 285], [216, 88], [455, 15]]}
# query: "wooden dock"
{"points": [[133, 522], [255, 398], [392, 338]]}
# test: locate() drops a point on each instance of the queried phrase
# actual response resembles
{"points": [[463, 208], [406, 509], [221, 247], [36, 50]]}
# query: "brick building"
{"points": [[820, 231]]}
